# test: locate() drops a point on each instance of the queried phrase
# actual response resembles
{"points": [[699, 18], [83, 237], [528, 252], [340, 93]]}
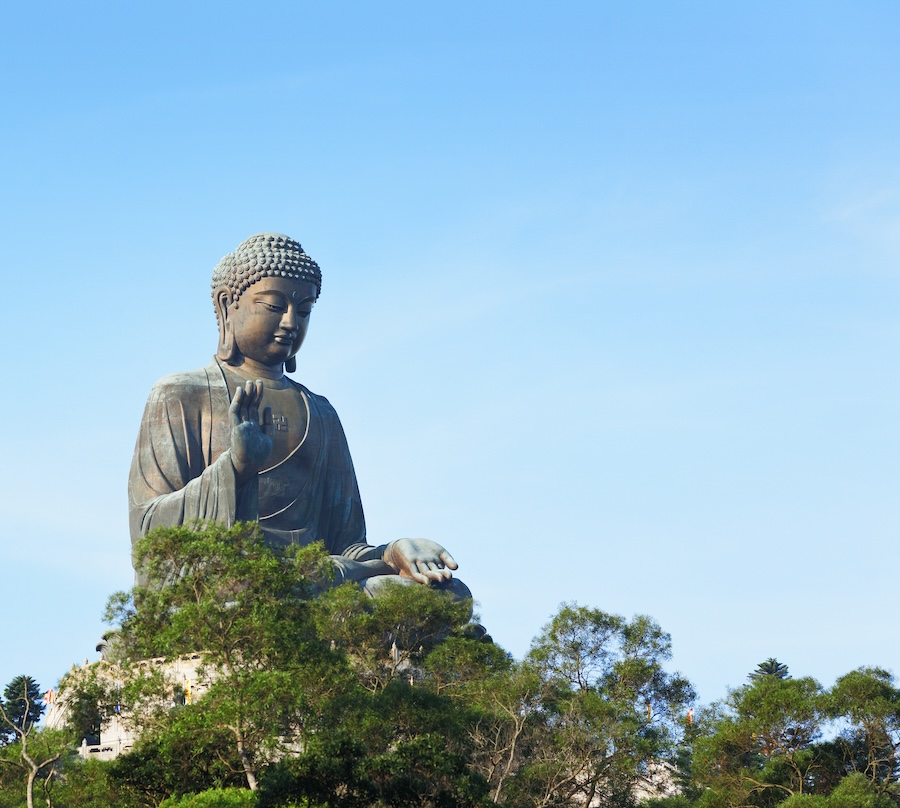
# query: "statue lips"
{"points": [[285, 337]]}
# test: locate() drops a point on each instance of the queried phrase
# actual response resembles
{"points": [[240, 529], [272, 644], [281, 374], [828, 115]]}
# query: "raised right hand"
{"points": [[251, 441]]}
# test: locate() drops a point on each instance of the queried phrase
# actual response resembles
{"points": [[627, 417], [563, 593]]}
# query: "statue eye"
{"points": [[272, 306]]}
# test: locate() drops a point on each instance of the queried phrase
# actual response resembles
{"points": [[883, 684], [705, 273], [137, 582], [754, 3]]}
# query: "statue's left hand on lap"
{"points": [[422, 560]]}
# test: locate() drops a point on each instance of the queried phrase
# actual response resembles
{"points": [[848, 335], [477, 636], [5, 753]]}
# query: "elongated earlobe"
{"points": [[227, 350], [290, 366]]}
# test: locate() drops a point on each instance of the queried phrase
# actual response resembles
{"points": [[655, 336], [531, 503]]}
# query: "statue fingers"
{"points": [[448, 560], [438, 572], [417, 574], [234, 409], [246, 393], [253, 396], [257, 400]]}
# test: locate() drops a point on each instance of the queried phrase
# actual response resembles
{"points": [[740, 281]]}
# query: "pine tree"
{"points": [[22, 706], [771, 667]]}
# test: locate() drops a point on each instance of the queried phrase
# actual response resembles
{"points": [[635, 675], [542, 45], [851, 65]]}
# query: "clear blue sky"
{"points": [[610, 301]]}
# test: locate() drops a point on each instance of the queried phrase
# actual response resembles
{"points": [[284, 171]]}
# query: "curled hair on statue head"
{"points": [[264, 255]]}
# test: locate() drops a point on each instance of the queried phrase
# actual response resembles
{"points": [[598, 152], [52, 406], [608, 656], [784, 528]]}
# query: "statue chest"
{"points": [[290, 422]]}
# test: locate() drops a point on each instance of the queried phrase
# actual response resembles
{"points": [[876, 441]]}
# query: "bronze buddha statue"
{"points": [[239, 440]]}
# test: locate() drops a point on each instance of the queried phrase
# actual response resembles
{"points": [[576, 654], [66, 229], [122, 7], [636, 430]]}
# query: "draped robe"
{"points": [[182, 471]]}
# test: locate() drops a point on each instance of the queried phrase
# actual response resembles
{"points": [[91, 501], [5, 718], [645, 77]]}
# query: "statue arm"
{"points": [[420, 559], [170, 482], [364, 552], [214, 496], [341, 522]]}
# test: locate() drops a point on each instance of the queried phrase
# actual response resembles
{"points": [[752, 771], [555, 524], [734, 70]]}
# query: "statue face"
{"points": [[270, 319]]}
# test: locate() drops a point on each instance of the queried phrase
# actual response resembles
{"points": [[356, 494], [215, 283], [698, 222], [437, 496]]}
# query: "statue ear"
{"points": [[290, 365], [227, 350]]}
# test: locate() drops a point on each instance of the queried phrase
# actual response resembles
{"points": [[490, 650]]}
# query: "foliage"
{"points": [[213, 798], [223, 592], [90, 783], [770, 667], [677, 801], [31, 755], [869, 704], [854, 791], [341, 773], [331, 698], [334, 699], [763, 746], [428, 714], [31, 763], [389, 636], [219, 589], [191, 753], [328, 770], [421, 771], [22, 707], [460, 666], [85, 705], [759, 745], [582, 719], [507, 722]]}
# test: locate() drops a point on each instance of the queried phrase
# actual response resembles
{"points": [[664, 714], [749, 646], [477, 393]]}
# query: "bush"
{"points": [[213, 798]]}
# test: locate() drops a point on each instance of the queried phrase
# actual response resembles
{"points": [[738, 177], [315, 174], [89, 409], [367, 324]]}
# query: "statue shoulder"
{"points": [[317, 403], [188, 383]]}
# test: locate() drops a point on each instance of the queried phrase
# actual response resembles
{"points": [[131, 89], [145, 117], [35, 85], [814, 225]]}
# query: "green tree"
{"points": [[501, 699], [758, 747], [329, 770], [30, 752], [509, 723], [404, 728], [191, 752], [213, 798], [92, 784], [770, 667], [388, 637], [868, 703], [22, 707], [422, 772], [854, 791], [332, 698], [285, 668], [84, 705], [32, 761], [602, 711], [222, 592], [341, 772]]}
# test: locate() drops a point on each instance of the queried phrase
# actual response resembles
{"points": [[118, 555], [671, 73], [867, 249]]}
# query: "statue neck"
{"points": [[252, 370]]}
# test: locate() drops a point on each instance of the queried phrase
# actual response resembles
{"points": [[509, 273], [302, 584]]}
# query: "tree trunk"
{"points": [[249, 773], [29, 788]]}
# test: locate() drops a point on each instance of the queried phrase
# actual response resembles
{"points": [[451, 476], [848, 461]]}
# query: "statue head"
{"points": [[262, 256]]}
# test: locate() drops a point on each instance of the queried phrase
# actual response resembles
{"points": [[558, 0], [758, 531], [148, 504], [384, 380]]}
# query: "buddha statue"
{"points": [[239, 440]]}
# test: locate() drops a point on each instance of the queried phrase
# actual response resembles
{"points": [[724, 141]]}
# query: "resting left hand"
{"points": [[422, 560]]}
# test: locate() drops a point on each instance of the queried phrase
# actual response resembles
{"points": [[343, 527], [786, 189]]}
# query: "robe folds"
{"points": [[182, 472]]}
